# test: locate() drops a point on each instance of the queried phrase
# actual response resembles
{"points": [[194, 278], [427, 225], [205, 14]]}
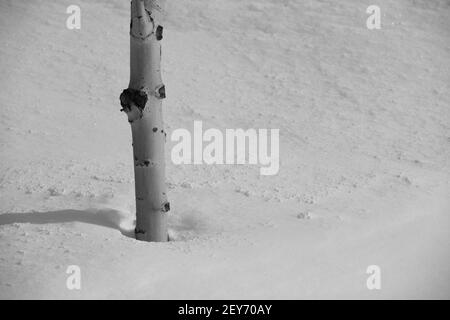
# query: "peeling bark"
{"points": [[142, 102]]}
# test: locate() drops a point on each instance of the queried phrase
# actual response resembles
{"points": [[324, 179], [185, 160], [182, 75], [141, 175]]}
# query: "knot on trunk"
{"points": [[159, 33], [166, 207], [142, 25], [130, 97], [160, 91]]}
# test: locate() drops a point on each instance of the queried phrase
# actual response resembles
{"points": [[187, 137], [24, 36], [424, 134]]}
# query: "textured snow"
{"points": [[364, 151]]}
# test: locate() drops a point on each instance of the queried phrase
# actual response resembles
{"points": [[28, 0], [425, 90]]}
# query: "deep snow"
{"points": [[365, 151]]}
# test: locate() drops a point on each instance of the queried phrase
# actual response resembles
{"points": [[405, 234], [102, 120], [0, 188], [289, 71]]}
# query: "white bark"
{"points": [[142, 102]]}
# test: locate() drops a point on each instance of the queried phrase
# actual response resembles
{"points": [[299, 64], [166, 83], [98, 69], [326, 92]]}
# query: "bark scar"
{"points": [[133, 103], [143, 26], [138, 97], [166, 207], [159, 33], [160, 91], [144, 163]]}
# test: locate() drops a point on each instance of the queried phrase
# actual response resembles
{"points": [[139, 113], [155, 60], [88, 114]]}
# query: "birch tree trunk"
{"points": [[142, 102]]}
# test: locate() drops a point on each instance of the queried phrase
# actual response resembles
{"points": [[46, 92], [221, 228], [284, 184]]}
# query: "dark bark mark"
{"points": [[145, 163], [166, 207], [159, 33], [161, 93], [137, 97]]}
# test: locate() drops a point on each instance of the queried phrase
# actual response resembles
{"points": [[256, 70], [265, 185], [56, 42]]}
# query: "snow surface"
{"points": [[365, 151]]}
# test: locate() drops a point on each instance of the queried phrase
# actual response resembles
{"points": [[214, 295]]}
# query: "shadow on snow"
{"points": [[106, 218]]}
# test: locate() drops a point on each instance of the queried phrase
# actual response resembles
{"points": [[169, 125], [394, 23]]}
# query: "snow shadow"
{"points": [[101, 217], [191, 225], [188, 225]]}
